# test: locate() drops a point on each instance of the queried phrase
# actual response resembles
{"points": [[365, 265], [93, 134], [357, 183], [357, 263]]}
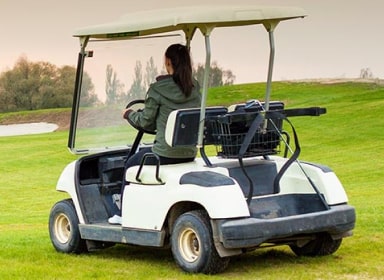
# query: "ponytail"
{"points": [[182, 67]]}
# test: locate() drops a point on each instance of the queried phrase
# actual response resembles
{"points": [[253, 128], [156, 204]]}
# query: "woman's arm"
{"points": [[147, 117]]}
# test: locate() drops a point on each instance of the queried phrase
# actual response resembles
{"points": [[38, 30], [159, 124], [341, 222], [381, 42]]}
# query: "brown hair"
{"points": [[182, 67]]}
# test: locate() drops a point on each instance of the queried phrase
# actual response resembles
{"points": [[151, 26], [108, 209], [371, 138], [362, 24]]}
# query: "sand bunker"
{"points": [[27, 128]]}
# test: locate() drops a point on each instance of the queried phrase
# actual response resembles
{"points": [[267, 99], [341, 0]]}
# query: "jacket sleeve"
{"points": [[147, 117]]}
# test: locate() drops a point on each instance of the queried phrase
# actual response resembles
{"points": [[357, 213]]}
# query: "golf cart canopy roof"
{"points": [[164, 23], [188, 19]]}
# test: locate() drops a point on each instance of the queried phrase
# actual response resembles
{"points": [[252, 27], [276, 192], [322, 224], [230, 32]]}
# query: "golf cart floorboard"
{"points": [[116, 233]]}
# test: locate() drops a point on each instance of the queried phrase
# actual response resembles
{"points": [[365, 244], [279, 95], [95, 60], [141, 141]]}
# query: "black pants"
{"points": [[137, 158]]}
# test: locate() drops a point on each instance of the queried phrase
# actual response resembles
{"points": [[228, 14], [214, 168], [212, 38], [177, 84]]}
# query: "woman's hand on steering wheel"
{"points": [[129, 108]]}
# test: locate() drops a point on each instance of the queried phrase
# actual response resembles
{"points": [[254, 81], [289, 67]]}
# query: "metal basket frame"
{"points": [[229, 132]]}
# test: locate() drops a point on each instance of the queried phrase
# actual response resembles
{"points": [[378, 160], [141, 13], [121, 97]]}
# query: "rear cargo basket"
{"points": [[229, 131]]}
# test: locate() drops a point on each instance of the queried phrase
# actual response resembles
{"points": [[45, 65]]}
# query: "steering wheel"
{"points": [[138, 106]]}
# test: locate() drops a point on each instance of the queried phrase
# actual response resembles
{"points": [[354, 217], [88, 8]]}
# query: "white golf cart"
{"points": [[253, 192]]}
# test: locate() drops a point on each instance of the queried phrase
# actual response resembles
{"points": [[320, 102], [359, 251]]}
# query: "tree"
{"points": [[228, 77], [64, 87], [88, 95], [137, 90], [151, 72], [25, 85], [113, 87], [366, 73], [40, 85], [140, 85], [217, 76]]}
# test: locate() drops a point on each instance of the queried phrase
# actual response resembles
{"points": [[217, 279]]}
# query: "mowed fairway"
{"points": [[349, 139]]}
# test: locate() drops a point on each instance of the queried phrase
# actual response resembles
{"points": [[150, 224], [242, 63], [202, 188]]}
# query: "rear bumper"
{"points": [[251, 232]]}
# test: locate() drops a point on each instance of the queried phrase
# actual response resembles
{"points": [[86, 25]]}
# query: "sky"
{"points": [[336, 40]]}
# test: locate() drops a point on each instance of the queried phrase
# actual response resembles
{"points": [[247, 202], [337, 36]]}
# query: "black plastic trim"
{"points": [[251, 232], [206, 179]]}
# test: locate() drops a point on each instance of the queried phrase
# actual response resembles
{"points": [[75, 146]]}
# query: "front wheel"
{"points": [[64, 228], [323, 245], [192, 244]]}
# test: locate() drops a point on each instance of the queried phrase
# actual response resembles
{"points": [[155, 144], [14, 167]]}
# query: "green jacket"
{"points": [[162, 98]]}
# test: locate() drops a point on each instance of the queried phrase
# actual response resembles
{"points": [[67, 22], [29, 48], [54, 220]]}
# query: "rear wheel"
{"points": [[192, 244], [323, 245], [64, 228]]}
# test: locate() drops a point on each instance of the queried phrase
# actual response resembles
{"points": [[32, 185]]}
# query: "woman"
{"points": [[177, 90]]}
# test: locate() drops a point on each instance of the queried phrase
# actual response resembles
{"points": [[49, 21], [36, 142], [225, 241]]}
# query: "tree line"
{"points": [[39, 85], [42, 85], [114, 89]]}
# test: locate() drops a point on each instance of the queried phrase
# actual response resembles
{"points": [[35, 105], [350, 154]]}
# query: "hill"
{"points": [[61, 117], [348, 139]]}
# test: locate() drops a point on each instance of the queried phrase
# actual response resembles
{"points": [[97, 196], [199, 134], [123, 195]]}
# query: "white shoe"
{"points": [[115, 220]]}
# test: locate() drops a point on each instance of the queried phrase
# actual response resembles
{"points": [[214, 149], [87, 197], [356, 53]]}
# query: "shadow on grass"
{"points": [[147, 255], [134, 252], [262, 260]]}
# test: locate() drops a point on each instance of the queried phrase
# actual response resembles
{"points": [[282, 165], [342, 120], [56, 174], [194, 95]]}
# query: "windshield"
{"points": [[114, 74], [117, 72]]}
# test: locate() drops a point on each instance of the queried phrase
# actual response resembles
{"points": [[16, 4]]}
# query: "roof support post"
{"points": [[207, 69], [270, 69], [77, 92], [189, 35], [270, 27]]}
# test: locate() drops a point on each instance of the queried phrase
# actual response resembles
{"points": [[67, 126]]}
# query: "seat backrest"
{"points": [[183, 125]]}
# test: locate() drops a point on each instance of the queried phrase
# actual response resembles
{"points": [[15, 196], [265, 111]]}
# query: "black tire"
{"points": [[64, 228], [323, 245], [192, 244]]}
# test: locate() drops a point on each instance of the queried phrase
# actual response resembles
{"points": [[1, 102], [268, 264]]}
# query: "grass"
{"points": [[348, 138]]}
